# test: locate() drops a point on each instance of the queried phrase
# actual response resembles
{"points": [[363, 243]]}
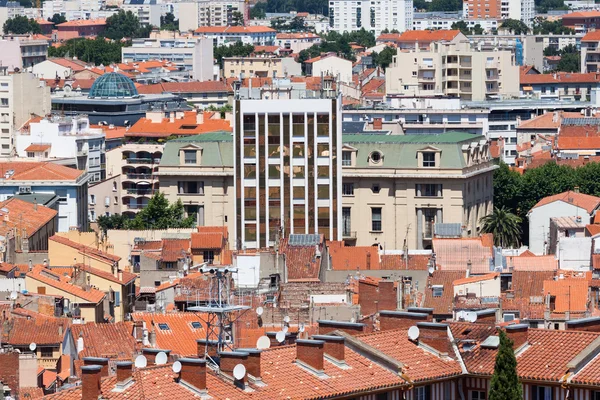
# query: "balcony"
{"points": [[139, 176], [349, 234], [143, 160], [427, 66], [492, 77], [47, 362], [135, 206], [141, 192], [426, 79]]}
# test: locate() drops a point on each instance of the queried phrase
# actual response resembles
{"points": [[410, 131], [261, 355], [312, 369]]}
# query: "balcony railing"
{"points": [[143, 160], [139, 176], [140, 191], [135, 206], [349, 234]]}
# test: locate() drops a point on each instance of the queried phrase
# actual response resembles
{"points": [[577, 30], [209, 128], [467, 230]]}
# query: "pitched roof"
{"points": [[65, 62], [299, 35], [23, 215], [428, 36], [39, 171], [526, 284], [578, 143], [443, 304], [123, 278], [456, 254], [46, 276], [209, 238], [82, 22], [473, 279], [582, 14], [185, 87], [37, 147], [559, 77], [570, 294], [416, 262], [301, 262], [89, 251], [106, 340], [187, 125], [535, 263], [585, 201], [593, 229], [42, 331], [31, 392], [235, 29], [352, 258], [174, 249], [593, 36]]}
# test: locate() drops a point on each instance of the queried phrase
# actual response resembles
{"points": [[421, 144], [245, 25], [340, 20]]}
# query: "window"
{"points": [[190, 187], [347, 189], [196, 325], [114, 186], [156, 283], [429, 190], [346, 158], [541, 393], [376, 219], [438, 290], [422, 393], [476, 395], [376, 188], [190, 156], [30, 154], [209, 256], [163, 327], [46, 352], [116, 200], [92, 199], [428, 159], [4, 102], [375, 157]]}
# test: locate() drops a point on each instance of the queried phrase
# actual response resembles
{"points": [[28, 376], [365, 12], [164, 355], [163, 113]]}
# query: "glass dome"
{"points": [[113, 85]]}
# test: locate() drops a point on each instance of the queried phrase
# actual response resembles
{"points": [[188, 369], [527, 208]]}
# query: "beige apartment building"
{"points": [[262, 67], [453, 70], [395, 188]]}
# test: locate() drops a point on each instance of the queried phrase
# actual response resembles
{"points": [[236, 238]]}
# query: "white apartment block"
{"points": [[373, 16], [428, 22], [523, 10], [208, 13], [21, 94], [453, 70], [147, 11], [297, 41], [228, 35]]}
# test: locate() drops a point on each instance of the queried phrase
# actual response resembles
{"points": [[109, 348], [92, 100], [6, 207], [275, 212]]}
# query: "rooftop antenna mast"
{"points": [[221, 311]]}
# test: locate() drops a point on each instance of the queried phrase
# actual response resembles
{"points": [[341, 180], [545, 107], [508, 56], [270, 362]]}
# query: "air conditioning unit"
{"points": [[2, 248], [25, 189]]}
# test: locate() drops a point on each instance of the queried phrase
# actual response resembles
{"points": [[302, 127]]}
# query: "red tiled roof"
{"points": [[31, 393], [174, 249], [42, 331], [37, 147], [122, 278], [456, 254], [571, 294], [208, 240], [585, 201], [48, 378], [593, 229], [64, 62], [346, 258], [299, 35], [578, 143], [89, 251], [106, 340], [419, 364], [23, 215], [535, 263], [443, 304], [559, 77], [185, 87], [187, 125], [39, 171], [46, 276], [529, 283], [416, 262], [235, 29], [582, 14], [301, 262], [82, 22], [427, 36], [593, 36], [473, 279]]}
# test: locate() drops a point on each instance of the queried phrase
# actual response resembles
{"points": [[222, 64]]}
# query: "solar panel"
{"points": [[448, 230], [304, 240], [581, 121]]}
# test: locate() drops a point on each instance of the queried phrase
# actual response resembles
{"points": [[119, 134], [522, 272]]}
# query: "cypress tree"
{"points": [[505, 382]]}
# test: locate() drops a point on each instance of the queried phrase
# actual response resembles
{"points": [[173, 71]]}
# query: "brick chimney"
{"points": [[518, 333], [124, 371], [209, 346], [90, 381], [591, 324], [252, 363], [335, 346], [423, 310], [150, 354], [351, 328], [229, 359], [400, 319], [193, 373], [310, 353], [434, 335], [100, 361], [377, 124]]}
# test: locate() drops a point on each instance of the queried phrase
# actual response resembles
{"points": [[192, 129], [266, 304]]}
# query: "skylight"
{"points": [[163, 327]]}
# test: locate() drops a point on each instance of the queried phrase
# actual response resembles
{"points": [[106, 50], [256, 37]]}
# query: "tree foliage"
{"points": [[235, 50], [335, 42], [515, 26], [542, 26], [385, 57], [259, 11], [20, 25], [296, 24], [237, 19], [158, 214], [504, 225], [168, 22], [466, 30], [57, 19], [505, 383], [97, 51], [125, 25], [543, 6], [285, 6], [569, 62]]}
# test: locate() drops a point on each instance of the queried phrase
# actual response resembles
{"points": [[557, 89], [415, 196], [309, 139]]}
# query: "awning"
{"points": [[528, 88]]}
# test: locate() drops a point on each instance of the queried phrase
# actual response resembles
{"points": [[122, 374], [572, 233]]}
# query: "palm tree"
{"points": [[504, 225]]}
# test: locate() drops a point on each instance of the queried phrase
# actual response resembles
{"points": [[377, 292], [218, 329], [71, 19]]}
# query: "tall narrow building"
{"points": [[287, 167]]}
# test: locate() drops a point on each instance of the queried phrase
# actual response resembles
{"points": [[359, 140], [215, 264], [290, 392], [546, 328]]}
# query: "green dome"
{"points": [[113, 85]]}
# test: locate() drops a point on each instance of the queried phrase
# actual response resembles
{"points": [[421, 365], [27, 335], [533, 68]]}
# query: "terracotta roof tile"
{"points": [[535, 263], [106, 340], [529, 283], [46, 276], [593, 36], [578, 143], [37, 147], [42, 331], [472, 279], [64, 62], [122, 278], [299, 35], [208, 240], [416, 262], [235, 29], [428, 36], [559, 77], [31, 393], [571, 294], [301, 262], [174, 249], [89, 251], [188, 125], [23, 215], [442, 305], [82, 22], [39, 171], [455, 254], [585, 201], [352, 258]]}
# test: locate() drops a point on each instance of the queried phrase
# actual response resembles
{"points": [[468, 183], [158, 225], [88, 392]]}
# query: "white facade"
{"points": [[21, 95], [69, 138], [227, 36], [208, 13], [422, 24], [523, 10], [574, 253], [351, 15], [148, 13], [539, 223], [297, 41], [333, 66]]}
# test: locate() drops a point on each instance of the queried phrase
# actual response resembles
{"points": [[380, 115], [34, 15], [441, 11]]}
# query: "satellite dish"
{"points": [[32, 346], [431, 270], [471, 317], [259, 311], [141, 362], [161, 358], [285, 329], [13, 295], [280, 336], [286, 319], [301, 327], [176, 366], [263, 342], [239, 371], [353, 320], [413, 332]]}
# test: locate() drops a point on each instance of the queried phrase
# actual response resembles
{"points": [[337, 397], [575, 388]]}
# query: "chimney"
{"points": [[400, 319], [335, 346], [90, 381], [150, 354], [34, 204], [252, 364], [309, 353], [200, 118], [434, 335], [60, 330], [229, 359], [423, 310], [377, 124], [207, 347], [351, 328], [518, 334], [576, 189], [193, 373], [124, 371], [97, 361], [152, 337], [591, 324]]}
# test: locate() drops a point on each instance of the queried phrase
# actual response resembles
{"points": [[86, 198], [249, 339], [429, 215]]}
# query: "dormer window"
{"points": [[346, 158], [190, 156], [375, 157], [428, 159]]}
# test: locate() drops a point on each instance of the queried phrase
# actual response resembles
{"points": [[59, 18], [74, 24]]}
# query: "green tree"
{"points": [[159, 214], [297, 25], [20, 25], [258, 11], [97, 51], [505, 383], [237, 19], [551, 51], [504, 225], [168, 22], [445, 5], [115, 221], [462, 26], [385, 58], [57, 19], [235, 50], [515, 26], [569, 62], [507, 188], [125, 25], [542, 26]]}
